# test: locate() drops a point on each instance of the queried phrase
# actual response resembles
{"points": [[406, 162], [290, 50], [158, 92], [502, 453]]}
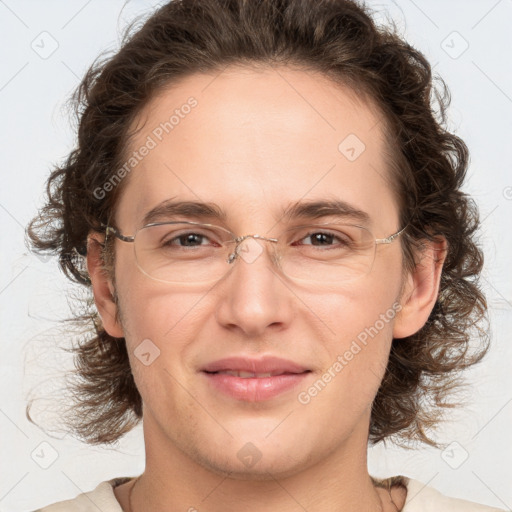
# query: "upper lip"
{"points": [[268, 364]]}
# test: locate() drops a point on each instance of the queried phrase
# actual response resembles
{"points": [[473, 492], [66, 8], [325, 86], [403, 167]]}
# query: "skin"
{"points": [[257, 141]]}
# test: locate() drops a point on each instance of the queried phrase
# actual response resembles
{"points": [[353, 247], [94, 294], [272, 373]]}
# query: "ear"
{"points": [[102, 287], [421, 289]]}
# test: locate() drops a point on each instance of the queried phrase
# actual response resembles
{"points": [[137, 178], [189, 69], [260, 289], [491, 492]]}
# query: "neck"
{"points": [[182, 481]]}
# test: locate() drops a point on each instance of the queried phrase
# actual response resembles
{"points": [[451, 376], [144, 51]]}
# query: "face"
{"points": [[254, 143]]}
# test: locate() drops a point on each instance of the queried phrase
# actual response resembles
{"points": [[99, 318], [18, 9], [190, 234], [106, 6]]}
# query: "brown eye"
{"points": [[324, 239]]}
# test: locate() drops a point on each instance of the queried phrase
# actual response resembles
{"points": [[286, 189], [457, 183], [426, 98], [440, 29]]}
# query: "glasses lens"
{"points": [[182, 252], [322, 254], [327, 254]]}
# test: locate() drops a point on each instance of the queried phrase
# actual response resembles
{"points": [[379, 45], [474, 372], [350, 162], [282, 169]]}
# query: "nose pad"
{"points": [[249, 249]]}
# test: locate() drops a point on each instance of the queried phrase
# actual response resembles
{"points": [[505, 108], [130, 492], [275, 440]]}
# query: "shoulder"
{"points": [[101, 498], [423, 498]]}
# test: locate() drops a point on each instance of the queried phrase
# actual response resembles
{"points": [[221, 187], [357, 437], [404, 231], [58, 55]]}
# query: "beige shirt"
{"points": [[420, 498]]}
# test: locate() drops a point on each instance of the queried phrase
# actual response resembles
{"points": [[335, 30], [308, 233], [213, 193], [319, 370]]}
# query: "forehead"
{"points": [[254, 140]]}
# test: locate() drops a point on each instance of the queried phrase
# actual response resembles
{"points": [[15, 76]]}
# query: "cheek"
{"points": [[151, 309], [165, 316], [159, 325], [360, 320], [353, 308], [355, 363]]}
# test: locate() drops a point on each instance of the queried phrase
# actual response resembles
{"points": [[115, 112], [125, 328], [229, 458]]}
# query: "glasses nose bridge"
{"points": [[238, 241]]}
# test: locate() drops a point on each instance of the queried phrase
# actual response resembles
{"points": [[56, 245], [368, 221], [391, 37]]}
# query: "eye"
{"points": [[325, 239], [189, 239]]}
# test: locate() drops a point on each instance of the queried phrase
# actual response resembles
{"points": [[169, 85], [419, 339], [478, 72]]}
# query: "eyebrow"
{"points": [[171, 208], [307, 210], [312, 210]]}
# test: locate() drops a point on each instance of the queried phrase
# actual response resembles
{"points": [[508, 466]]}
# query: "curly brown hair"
{"points": [[428, 164]]}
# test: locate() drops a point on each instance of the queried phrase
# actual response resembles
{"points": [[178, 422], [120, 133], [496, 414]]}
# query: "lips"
{"points": [[266, 365], [254, 380]]}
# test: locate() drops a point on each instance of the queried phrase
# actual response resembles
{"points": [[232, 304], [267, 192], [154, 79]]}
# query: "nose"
{"points": [[253, 296]]}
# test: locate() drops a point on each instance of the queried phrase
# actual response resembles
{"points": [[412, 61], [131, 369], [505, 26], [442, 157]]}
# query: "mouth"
{"points": [[267, 366], [254, 380]]}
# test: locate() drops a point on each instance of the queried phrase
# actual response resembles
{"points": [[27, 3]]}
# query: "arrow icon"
{"points": [[351, 147], [249, 455], [146, 352]]}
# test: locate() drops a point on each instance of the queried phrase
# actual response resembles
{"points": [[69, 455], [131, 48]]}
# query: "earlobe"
{"points": [[102, 287], [421, 289]]}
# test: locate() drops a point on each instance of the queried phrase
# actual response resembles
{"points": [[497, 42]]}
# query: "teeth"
{"points": [[246, 375]]}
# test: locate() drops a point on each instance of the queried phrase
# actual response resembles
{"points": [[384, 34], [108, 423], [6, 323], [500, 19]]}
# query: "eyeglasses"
{"points": [[192, 252]]}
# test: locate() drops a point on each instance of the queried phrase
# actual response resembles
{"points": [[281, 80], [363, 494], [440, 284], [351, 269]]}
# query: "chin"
{"points": [[247, 457], [266, 469]]}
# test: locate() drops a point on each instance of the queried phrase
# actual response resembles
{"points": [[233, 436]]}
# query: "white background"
{"points": [[33, 293]]}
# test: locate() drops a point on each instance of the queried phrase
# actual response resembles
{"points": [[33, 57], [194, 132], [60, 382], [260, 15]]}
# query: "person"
{"points": [[268, 214]]}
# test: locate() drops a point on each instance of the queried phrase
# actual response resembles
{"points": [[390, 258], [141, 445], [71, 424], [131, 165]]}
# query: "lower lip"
{"points": [[255, 389]]}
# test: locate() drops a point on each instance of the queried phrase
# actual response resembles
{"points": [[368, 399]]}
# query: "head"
{"points": [[253, 107]]}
